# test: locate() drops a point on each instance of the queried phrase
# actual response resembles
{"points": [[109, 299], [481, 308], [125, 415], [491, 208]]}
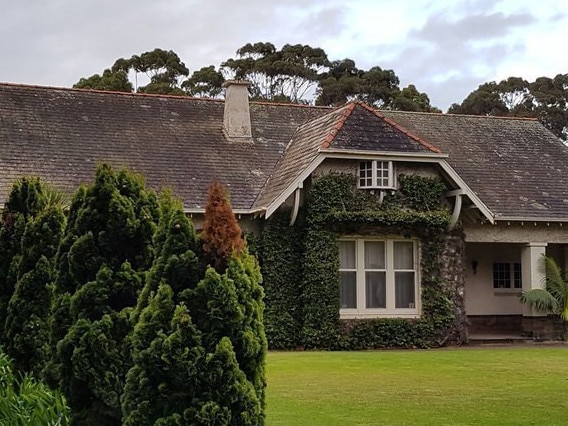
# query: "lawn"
{"points": [[468, 386]]}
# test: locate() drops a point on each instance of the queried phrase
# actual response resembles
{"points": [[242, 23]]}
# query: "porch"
{"points": [[496, 275]]}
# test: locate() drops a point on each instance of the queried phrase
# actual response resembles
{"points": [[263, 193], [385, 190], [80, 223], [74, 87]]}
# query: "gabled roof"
{"points": [[354, 127], [178, 142], [516, 166]]}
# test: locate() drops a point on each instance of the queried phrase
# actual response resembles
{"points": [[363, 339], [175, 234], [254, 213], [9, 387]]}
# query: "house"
{"points": [[413, 227]]}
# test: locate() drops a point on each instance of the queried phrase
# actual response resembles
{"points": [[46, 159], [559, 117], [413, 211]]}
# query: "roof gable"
{"points": [[365, 129], [352, 128]]}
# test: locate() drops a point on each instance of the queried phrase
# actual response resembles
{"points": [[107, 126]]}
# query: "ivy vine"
{"points": [[305, 311]]}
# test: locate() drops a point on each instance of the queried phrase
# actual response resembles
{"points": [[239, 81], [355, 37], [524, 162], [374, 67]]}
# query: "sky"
{"points": [[446, 48]]}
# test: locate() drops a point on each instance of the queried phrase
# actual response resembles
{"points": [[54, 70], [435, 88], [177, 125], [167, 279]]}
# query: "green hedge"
{"points": [[281, 256]]}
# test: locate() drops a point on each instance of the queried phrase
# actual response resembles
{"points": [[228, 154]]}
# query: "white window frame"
{"points": [[377, 166], [514, 275], [390, 311]]}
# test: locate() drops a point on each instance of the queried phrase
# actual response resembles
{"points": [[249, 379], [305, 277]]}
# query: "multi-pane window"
{"points": [[378, 277], [376, 174], [507, 275]]}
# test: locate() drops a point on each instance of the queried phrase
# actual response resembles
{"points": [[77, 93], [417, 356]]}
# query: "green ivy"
{"points": [[281, 259], [336, 207]]}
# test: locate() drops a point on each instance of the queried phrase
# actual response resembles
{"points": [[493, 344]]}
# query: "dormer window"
{"points": [[376, 174]]}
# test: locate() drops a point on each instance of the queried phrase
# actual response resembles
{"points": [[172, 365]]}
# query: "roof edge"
{"points": [[337, 127]]}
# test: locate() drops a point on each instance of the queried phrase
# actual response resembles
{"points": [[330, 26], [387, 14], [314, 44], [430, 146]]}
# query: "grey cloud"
{"points": [[449, 57]]}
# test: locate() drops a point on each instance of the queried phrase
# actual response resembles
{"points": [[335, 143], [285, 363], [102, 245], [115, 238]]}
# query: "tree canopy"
{"points": [[545, 98], [297, 73], [304, 74]]}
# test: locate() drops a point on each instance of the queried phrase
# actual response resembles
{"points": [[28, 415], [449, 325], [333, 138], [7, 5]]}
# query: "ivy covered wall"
{"points": [[301, 266]]}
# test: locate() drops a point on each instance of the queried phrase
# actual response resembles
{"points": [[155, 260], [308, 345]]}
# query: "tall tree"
{"points": [[206, 82], [26, 201], [410, 99], [163, 68], [339, 84], [113, 81], [166, 378], [222, 235], [26, 328], [545, 98], [105, 252], [227, 307], [199, 349], [287, 74], [177, 259], [379, 87]]}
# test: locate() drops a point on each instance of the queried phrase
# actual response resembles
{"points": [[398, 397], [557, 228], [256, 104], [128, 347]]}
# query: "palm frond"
{"points": [[555, 283], [542, 300]]}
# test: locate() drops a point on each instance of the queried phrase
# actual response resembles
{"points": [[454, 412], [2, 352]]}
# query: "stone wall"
{"points": [[452, 269]]}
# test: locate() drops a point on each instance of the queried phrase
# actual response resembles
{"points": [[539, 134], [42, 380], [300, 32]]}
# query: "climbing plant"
{"points": [[336, 207]]}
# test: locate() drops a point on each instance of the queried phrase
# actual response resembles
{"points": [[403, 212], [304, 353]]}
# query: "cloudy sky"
{"points": [[445, 47]]}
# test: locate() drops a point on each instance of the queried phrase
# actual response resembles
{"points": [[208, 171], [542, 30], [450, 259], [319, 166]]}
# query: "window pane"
{"points": [[403, 255], [375, 290], [383, 173], [374, 255], [501, 275], [404, 290], [348, 290], [517, 276], [347, 254], [366, 173]]}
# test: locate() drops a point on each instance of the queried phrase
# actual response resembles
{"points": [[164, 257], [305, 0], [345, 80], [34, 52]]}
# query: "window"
{"points": [[378, 278], [376, 174], [507, 275]]}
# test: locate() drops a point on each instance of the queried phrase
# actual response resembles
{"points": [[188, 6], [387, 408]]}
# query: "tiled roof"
{"points": [[178, 142], [516, 167], [353, 127]]}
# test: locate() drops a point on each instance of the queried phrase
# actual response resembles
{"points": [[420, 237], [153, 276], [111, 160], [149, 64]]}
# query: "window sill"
{"points": [[378, 188], [372, 315], [507, 291]]}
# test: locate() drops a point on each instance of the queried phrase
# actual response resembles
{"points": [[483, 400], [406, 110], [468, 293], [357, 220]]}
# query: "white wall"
{"points": [[480, 296]]}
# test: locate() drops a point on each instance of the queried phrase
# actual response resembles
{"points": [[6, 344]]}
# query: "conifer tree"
{"points": [[26, 327], [222, 235], [177, 254], [105, 252], [228, 302], [166, 348], [26, 200], [165, 381], [199, 353]]}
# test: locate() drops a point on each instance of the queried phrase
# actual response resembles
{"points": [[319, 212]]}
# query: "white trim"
{"points": [[529, 219], [294, 215], [389, 311], [394, 156], [272, 207], [375, 174], [467, 191], [457, 212]]}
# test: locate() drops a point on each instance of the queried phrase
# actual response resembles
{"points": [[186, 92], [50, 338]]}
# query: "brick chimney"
{"points": [[236, 119]]}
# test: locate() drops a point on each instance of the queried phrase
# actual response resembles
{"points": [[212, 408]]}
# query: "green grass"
{"points": [[470, 386]]}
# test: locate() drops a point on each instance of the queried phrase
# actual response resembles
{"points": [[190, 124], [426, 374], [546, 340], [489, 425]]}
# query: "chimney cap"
{"points": [[228, 83]]}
